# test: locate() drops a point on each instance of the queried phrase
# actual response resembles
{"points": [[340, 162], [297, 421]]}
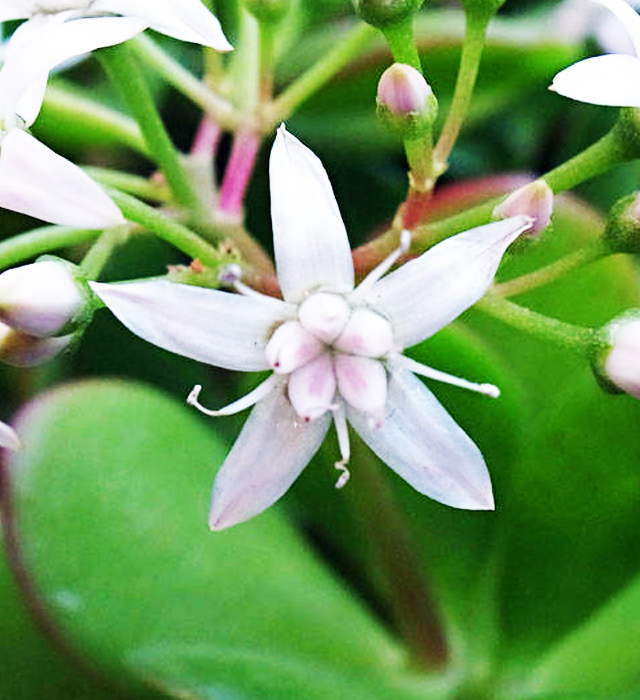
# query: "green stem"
{"points": [[219, 109], [401, 41], [131, 184], [174, 233], [566, 335], [420, 158], [100, 252], [472, 47], [244, 70], [31, 244], [125, 73], [344, 51], [267, 39], [553, 271]]}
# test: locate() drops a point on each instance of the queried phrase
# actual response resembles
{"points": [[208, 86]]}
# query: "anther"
{"points": [[344, 476]]}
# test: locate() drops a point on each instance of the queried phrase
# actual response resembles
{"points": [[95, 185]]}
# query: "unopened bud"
{"points": [[23, 350], [534, 200], [622, 233], [269, 11], [406, 104], [617, 360], [381, 13], [41, 299]]}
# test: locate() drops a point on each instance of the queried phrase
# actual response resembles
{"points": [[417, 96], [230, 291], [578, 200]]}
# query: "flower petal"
{"points": [[628, 17], [55, 41], [40, 183], [17, 9], [9, 437], [219, 328], [312, 388], [426, 447], [271, 451], [187, 20], [310, 240], [427, 293], [612, 80]]}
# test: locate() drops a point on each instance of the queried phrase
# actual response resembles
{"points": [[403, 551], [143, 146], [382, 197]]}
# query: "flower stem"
{"points": [[237, 174], [344, 51], [174, 233], [42, 240], [553, 271], [124, 71], [472, 47], [399, 36], [100, 252], [219, 109], [135, 185], [574, 338]]}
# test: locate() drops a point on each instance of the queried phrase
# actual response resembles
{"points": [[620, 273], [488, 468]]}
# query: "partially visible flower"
{"points": [[335, 350], [8, 437], [25, 350], [42, 299], [534, 200], [613, 79], [622, 363]]}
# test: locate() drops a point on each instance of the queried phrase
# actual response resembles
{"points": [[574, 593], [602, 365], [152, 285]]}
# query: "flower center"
{"points": [[331, 352]]}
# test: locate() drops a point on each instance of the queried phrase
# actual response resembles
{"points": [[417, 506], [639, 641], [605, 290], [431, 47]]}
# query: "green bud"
{"points": [[481, 8], [268, 11], [382, 13], [405, 102], [622, 233]]}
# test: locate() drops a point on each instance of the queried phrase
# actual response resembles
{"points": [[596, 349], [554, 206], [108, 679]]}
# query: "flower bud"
{"points": [[622, 233], [481, 8], [23, 350], [406, 104], [9, 437], [381, 13], [41, 299], [268, 11], [617, 361], [534, 200]]}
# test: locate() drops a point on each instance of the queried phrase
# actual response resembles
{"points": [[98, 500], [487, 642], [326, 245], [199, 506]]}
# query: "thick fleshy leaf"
{"points": [[425, 446], [40, 183], [427, 293], [275, 445], [9, 437], [309, 237], [612, 80], [24, 73], [219, 328], [187, 20]]}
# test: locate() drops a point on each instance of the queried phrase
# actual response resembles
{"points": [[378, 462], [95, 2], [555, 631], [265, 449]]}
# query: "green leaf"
{"points": [[111, 496]]}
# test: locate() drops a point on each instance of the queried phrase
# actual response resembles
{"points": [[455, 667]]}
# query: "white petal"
{"points": [[309, 237], [219, 328], [427, 293], [628, 17], [271, 451], [187, 20], [36, 181], [312, 388], [17, 9], [55, 41], [9, 437], [612, 80], [426, 447]]}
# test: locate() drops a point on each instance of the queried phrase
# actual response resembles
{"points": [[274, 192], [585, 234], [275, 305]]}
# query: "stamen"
{"points": [[340, 421], [245, 402], [231, 275], [430, 373], [384, 266]]}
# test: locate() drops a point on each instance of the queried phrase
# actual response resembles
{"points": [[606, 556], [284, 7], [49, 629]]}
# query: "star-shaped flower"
{"points": [[335, 350], [613, 79]]}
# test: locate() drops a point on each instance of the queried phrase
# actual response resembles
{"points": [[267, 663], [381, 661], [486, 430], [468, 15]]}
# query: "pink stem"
{"points": [[206, 139], [237, 175]]}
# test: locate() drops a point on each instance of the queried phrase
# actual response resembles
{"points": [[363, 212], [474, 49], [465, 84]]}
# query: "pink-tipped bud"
{"points": [[23, 350], [621, 364], [534, 200], [406, 103], [40, 299]]}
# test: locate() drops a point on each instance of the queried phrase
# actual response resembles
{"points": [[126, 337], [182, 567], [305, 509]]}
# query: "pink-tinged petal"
{"points": [[53, 42], [324, 315], [290, 347], [8, 437], [271, 451], [366, 333], [309, 237], [187, 20], [362, 383], [312, 388], [218, 328], [612, 80], [427, 293], [426, 447], [40, 183]]}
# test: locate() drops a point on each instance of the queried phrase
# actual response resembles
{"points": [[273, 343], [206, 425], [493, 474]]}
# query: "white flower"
{"points": [[8, 437], [613, 79], [334, 350], [622, 364]]}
